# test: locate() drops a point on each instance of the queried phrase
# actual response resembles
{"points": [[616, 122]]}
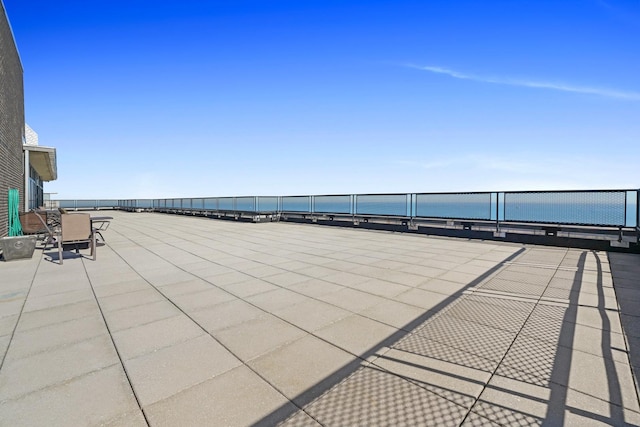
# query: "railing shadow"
{"points": [[533, 345], [287, 410], [560, 375]]}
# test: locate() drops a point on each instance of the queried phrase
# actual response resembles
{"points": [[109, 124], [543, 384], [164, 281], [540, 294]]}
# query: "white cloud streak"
{"points": [[609, 93], [517, 172]]}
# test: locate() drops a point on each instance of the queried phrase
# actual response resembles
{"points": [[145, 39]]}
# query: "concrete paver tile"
{"points": [[91, 399], [299, 419], [316, 271], [424, 271], [36, 340], [487, 313], [351, 299], [165, 372], [400, 277], [475, 420], [192, 286], [287, 279], [417, 344], [43, 287], [198, 265], [365, 260], [48, 301], [130, 299], [593, 411], [443, 286], [311, 315], [543, 363], [510, 401], [315, 288], [485, 341], [27, 374], [225, 279], [374, 397], [17, 275], [345, 278], [226, 314], [131, 419], [63, 313], [355, 333], [289, 265], [238, 397], [526, 407], [250, 287], [393, 313], [8, 324], [460, 277], [160, 275], [381, 288], [11, 307], [457, 383], [421, 298], [591, 300], [536, 362], [579, 337], [258, 336], [300, 375], [199, 300], [264, 271], [117, 288], [437, 263], [135, 316], [276, 299], [608, 380], [122, 278], [4, 345], [136, 341]]}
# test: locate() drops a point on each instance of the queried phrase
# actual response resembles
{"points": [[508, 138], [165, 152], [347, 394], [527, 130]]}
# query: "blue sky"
{"points": [[148, 99]]}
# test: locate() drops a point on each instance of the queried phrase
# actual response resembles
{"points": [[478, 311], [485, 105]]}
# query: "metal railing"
{"points": [[593, 208]]}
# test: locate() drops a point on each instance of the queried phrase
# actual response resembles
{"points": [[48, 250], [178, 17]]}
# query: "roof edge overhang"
{"points": [[43, 160]]}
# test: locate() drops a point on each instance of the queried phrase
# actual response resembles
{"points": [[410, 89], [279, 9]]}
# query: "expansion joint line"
{"points": [[537, 301], [106, 324]]}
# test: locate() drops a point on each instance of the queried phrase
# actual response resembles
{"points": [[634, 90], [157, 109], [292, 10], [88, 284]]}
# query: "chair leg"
{"points": [[93, 245]]}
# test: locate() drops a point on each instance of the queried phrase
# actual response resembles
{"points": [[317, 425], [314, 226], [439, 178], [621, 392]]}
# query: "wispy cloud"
{"points": [[518, 171], [609, 93], [474, 161]]}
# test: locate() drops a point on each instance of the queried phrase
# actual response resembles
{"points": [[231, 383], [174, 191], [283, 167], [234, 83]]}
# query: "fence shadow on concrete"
{"points": [[499, 352]]}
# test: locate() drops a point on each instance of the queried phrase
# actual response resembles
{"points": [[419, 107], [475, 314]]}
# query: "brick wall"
{"points": [[11, 119]]}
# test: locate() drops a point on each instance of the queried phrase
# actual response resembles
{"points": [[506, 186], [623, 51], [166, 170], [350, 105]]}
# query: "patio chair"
{"points": [[76, 229], [42, 226], [31, 224]]}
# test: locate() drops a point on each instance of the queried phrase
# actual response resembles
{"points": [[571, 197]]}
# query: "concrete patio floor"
{"points": [[189, 321]]}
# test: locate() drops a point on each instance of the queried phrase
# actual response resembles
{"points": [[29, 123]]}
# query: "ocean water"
{"points": [[592, 208]]}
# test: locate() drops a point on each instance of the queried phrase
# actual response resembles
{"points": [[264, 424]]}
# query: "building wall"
{"points": [[11, 120]]}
